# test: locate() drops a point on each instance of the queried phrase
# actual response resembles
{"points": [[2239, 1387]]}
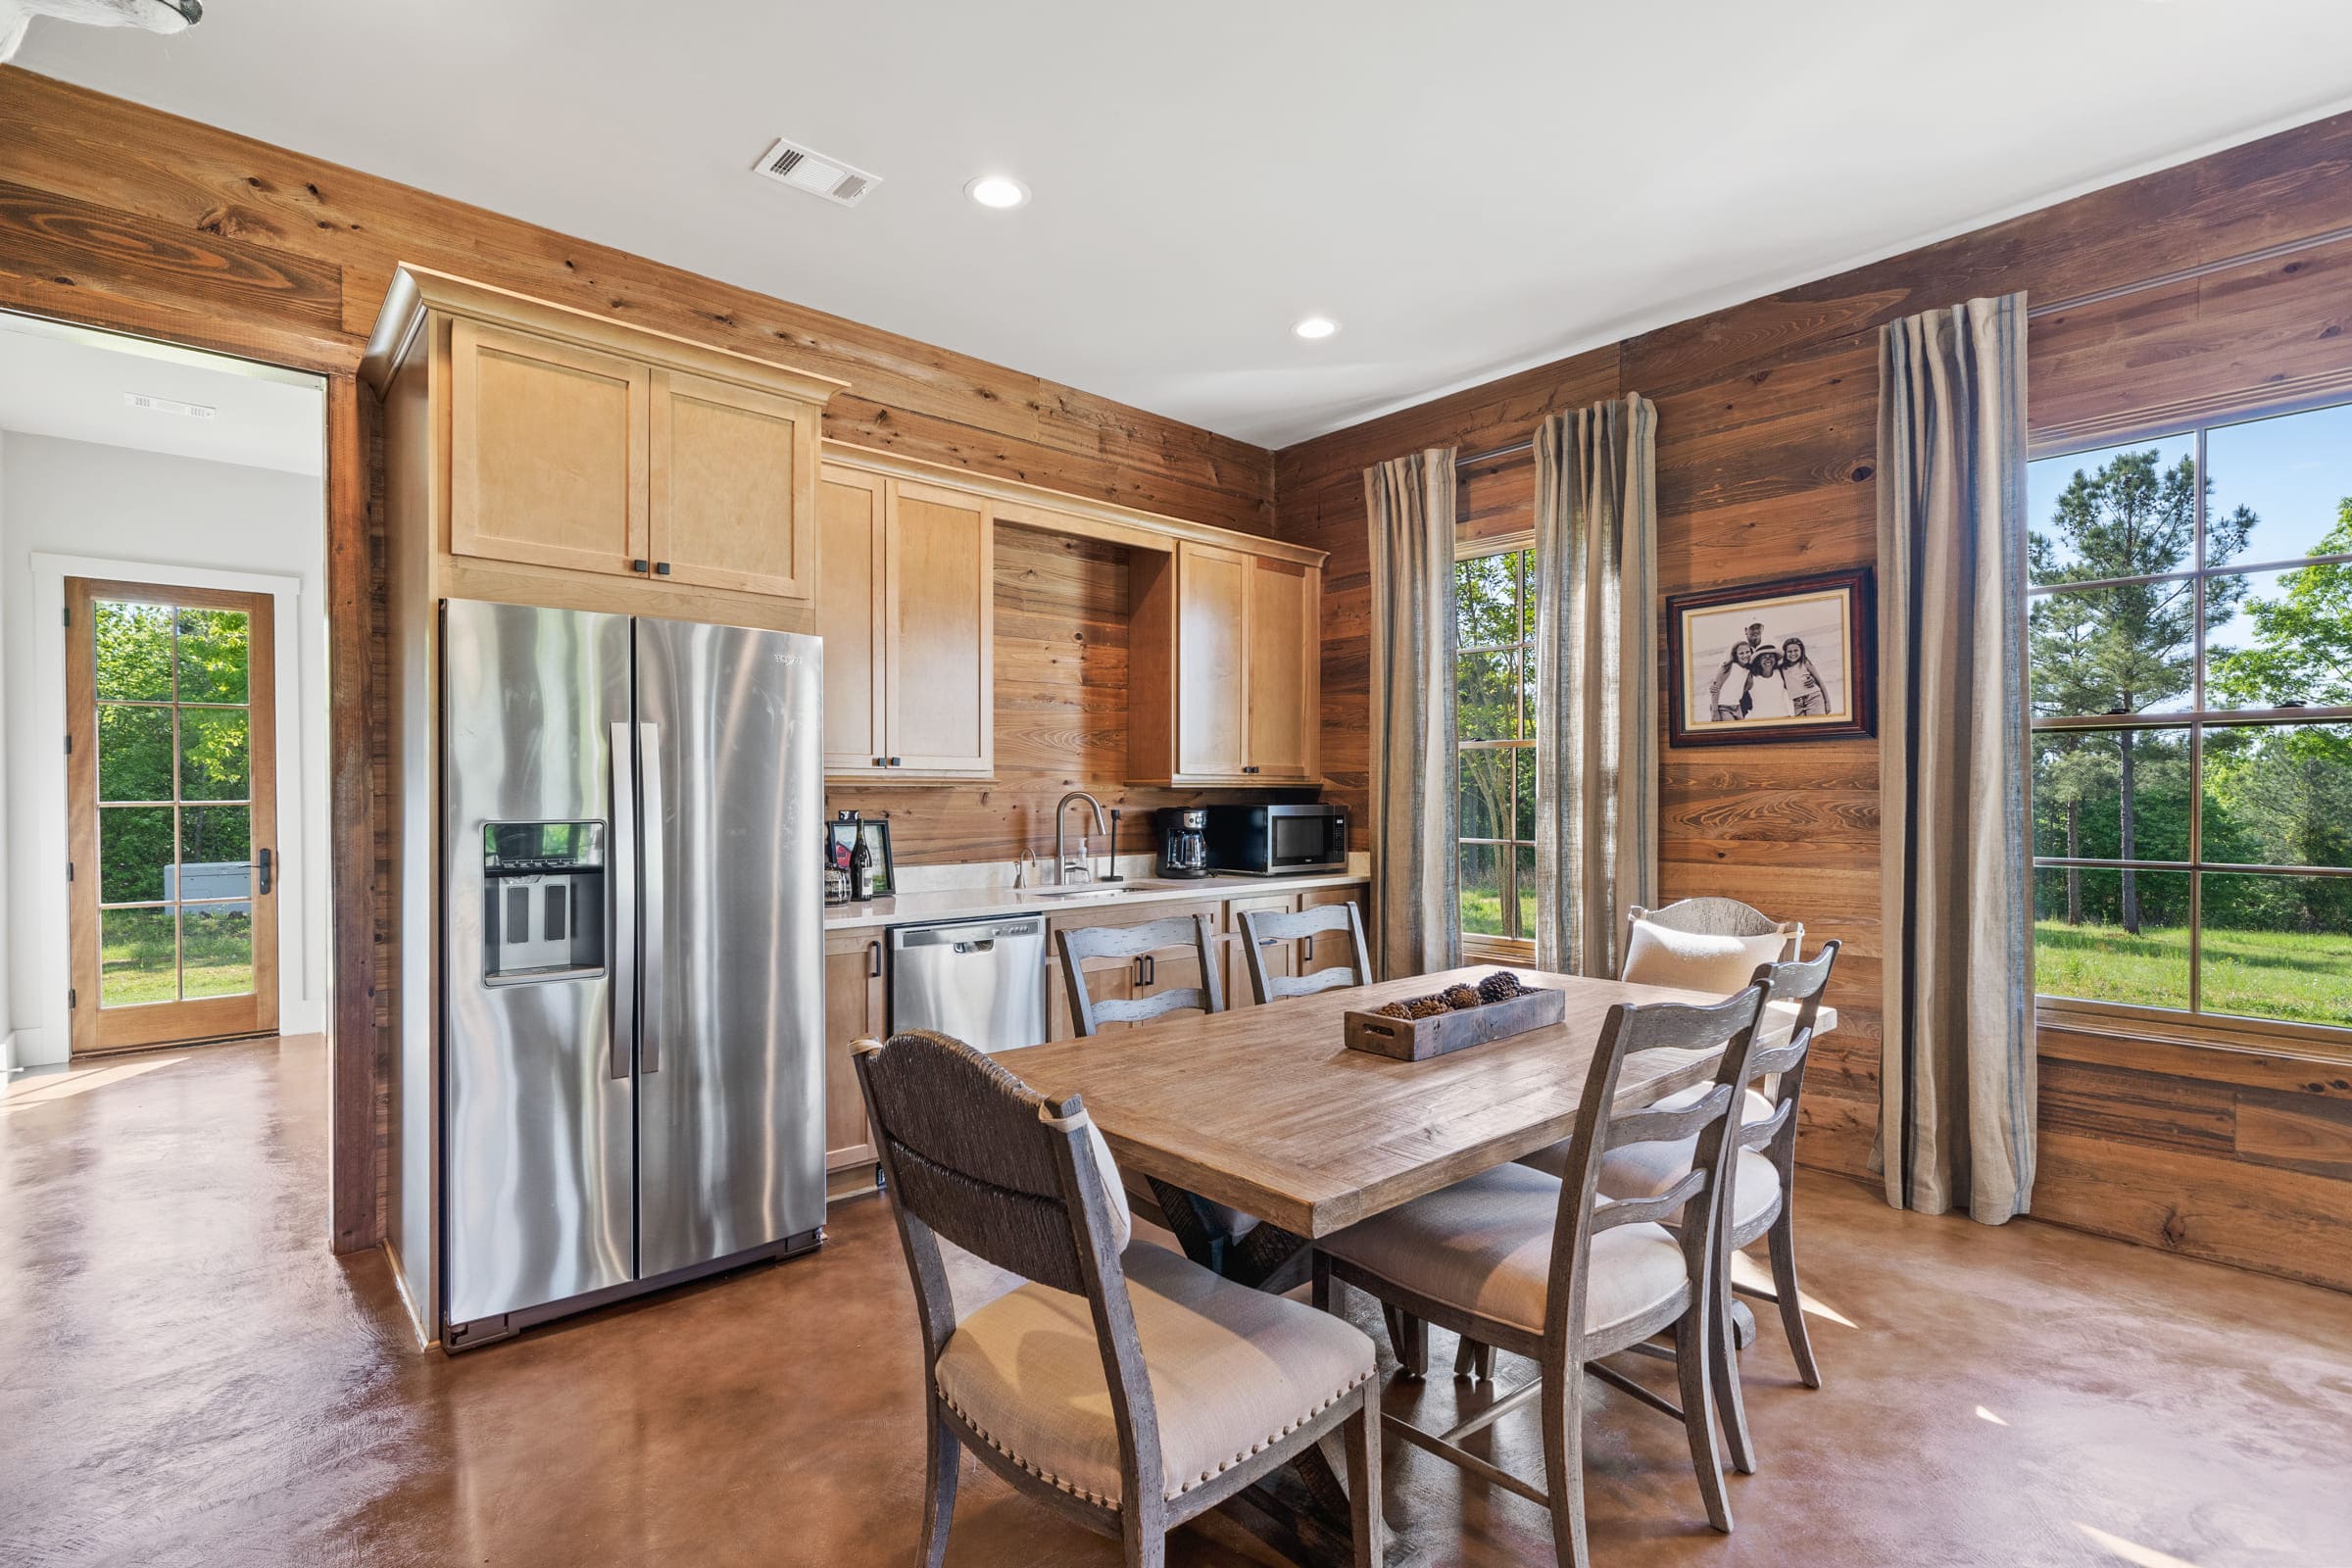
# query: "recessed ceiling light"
{"points": [[1315, 327], [1001, 191]]}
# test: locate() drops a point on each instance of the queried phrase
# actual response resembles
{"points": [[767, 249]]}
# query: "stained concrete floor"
{"points": [[187, 1377]]}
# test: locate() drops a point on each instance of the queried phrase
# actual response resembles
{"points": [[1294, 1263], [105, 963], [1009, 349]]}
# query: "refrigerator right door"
{"points": [[730, 1056]]}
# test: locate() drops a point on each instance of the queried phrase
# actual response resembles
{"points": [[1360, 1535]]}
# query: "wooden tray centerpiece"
{"points": [[1458, 1017]]}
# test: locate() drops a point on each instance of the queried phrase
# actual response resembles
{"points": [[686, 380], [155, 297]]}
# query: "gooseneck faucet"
{"points": [[1061, 857]]}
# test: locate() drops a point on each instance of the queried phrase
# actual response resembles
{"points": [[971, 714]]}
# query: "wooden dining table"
{"points": [[1266, 1111]]}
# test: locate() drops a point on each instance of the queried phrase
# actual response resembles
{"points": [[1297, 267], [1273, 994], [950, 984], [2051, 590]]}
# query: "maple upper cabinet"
{"points": [[730, 465], [907, 606], [559, 451], [1224, 668], [546, 451]]}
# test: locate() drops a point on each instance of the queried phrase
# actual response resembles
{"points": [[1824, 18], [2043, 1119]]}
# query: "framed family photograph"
{"points": [[1773, 660]]}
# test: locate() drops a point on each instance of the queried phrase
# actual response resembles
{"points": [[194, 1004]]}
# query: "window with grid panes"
{"points": [[2190, 648], [1494, 668]]}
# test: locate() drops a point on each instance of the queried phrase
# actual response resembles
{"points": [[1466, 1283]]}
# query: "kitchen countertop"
{"points": [[980, 903]]}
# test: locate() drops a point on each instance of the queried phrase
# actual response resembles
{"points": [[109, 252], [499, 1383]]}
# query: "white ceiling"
{"points": [[71, 385], [1468, 188]]}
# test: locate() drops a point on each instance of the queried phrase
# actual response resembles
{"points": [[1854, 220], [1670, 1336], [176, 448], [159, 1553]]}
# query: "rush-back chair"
{"points": [[1261, 927], [1550, 1269], [1082, 947], [1123, 1386], [1763, 1176]]}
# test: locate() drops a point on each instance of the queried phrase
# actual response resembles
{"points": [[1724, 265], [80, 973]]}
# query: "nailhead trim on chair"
{"points": [[1062, 1484]]}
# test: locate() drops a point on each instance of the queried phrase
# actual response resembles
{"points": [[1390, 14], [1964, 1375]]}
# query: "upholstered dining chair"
{"points": [[1084, 945], [1211, 1233], [1123, 1385], [1550, 1269], [1341, 921], [1762, 1194]]}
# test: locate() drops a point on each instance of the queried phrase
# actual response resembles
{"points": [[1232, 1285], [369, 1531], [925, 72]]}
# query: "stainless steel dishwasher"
{"points": [[981, 981]]}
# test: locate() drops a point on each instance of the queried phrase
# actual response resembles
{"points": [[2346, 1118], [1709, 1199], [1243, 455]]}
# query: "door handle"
{"points": [[624, 808], [264, 866], [874, 960], [654, 982]]}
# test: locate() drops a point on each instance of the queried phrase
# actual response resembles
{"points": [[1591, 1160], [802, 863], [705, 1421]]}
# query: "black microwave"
{"points": [[1276, 840]]}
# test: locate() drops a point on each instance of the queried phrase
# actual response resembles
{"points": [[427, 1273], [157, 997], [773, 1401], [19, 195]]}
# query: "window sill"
{"points": [[2245, 1051], [1497, 950]]}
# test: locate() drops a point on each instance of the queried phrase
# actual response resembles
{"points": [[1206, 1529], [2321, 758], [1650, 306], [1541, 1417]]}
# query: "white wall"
{"points": [[70, 509], [8, 1016]]}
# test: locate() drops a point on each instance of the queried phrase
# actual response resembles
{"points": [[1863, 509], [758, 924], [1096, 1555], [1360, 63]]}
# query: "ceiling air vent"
{"points": [[788, 162]]}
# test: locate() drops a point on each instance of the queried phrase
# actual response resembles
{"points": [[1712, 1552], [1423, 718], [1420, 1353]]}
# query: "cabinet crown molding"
{"points": [[416, 290]]}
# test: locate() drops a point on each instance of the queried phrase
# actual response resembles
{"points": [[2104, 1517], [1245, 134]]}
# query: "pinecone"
{"points": [[1462, 998], [1500, 985], [1395, 1010], [1428, 1006]]}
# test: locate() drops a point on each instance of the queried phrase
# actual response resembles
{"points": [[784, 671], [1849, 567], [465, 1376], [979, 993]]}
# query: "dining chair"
{"points": [[1705, 943], [1763, 1176], [1211, 1233], [1122, 1385], [1085, 943], [1550, 1269], [1261, 927]]}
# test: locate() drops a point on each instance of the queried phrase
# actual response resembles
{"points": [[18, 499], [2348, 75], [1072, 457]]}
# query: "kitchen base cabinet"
{"points": [[1282, 957], [1332, 950], [856, 1004], [1122, 979]]}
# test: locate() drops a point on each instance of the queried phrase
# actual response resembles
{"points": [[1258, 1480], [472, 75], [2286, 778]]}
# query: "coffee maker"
{"points": [[1182, 841]]}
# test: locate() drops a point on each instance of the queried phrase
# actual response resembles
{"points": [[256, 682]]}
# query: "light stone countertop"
{"points": [[919, 905]]}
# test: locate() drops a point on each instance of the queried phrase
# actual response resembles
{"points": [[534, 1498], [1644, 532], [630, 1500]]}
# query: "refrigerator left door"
{"points": [[538, 891]]}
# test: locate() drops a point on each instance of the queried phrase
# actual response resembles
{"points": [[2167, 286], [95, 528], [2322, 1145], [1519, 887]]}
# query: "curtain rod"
{"points": [[2268, 252]]}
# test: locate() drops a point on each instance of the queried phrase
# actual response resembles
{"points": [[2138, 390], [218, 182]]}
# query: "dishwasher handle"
{"points": [[989, 946]]}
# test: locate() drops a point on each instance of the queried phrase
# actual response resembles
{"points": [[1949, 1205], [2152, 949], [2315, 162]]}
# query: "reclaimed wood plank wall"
{"points": [[119, 216], [1767, 425]]}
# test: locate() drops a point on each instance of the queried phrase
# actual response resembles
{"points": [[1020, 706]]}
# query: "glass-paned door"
{"points": [[172, 789]]}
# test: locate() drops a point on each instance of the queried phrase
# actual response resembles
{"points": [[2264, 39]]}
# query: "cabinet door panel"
{"points": [[853, 1011], [1213, 606], [939, 625], [728, 464], [1282, 725], [546, 451], [1282, 957], [1332, 950], [848, 618]]}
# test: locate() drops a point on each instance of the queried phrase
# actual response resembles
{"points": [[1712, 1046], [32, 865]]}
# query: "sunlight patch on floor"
{"points": [[23, 1092], [1983, 1414], [2132, 1551], [1756, 1274]]}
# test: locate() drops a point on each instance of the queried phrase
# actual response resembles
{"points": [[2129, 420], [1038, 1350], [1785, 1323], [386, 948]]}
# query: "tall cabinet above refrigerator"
{"points": [[632, 968]]}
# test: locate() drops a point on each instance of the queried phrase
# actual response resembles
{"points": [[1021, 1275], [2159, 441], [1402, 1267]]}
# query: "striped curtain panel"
{"points": [[1956, 1115], [1597, 681], [1416, 928]]}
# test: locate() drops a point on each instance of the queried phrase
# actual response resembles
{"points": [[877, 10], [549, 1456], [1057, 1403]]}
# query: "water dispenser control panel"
{"points": [[543, 900]]}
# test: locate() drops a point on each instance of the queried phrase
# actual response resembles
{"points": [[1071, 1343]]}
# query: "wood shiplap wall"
{"points": [[1767, 426], [117, 215]]}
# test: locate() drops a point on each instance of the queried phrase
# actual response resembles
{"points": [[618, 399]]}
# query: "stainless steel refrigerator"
{"points": [[632, 1087]]}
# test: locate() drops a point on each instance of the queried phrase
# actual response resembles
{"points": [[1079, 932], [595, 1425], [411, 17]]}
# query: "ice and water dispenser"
{"points": [[543, 900]]}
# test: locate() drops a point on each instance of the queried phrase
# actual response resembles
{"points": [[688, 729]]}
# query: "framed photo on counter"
{"points": [[841, 842]]}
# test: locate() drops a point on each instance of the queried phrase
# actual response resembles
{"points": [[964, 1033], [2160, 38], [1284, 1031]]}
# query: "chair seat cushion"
{"points": [[1484, 1245], [1553, 1160], [1645, 1170], [1232, 1371]]}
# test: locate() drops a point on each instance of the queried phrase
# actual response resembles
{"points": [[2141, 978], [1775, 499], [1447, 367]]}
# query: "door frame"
{"points": [[296, 740]]}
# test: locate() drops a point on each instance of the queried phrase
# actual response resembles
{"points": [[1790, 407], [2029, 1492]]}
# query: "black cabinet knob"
{"points": [[893, 761], [639, 565], [660, 568]]}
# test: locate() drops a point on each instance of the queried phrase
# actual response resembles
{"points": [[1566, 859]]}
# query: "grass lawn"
{"points": [[1482, 912], [135, 962], [2300, 976]]}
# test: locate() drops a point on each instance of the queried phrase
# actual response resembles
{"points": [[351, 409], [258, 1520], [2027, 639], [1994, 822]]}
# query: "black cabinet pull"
{"points": [[893, 761], [874, 960], [639, 565], [878, 762], [660, 568], [1250, 770]]}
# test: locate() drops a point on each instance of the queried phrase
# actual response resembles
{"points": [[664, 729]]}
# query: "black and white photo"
{"points": [[1778, 661]]}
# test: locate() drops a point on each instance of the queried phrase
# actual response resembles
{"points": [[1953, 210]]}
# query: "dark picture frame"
{"points": [[1728, 687], [840, 839]]}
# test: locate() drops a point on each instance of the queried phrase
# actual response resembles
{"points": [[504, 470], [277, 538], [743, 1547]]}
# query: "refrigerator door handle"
{"points": [[624, 899], [649, 763]]}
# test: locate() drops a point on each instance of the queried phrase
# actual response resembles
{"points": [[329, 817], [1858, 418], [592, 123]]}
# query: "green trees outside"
{"points": [[2276, 795], [1493, 607], [150, 665]]}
